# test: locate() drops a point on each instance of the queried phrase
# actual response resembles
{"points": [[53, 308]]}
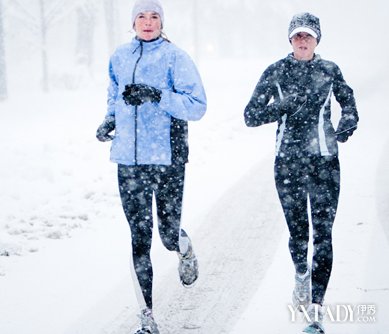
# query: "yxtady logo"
{"points": [[363, 313]]}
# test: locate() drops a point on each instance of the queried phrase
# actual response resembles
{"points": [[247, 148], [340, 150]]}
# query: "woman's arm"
{"points": [[345, 97], [258, 111], [187, 100]]}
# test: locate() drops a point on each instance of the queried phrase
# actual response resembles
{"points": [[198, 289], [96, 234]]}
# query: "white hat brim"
{"points": [[303, 29]]}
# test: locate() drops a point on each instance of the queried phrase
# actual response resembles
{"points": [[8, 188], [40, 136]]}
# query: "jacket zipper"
{"points": [[136, 107]]}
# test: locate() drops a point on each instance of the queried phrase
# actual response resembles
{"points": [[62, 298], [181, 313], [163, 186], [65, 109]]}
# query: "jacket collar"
{"points": [[146, 45], [293, 60]]}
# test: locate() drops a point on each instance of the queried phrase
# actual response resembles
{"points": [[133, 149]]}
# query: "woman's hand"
{"points": [[137, 94], [292, 103], [102, 133]]}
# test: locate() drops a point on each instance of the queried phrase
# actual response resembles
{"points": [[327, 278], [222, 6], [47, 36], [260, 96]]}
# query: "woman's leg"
{"points": [[324, 188], [290, 182], [169, 194], [136, 190]]}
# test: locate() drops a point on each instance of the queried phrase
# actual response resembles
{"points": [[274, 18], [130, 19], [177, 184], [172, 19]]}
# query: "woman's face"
{"points": [[303, 46], [148, 25]]}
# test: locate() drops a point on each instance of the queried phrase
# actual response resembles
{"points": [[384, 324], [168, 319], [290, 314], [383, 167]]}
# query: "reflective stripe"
{"points": [[138, 290], [279, 90], [183, 243], [280, 134], [322, 135], [281, 128]]}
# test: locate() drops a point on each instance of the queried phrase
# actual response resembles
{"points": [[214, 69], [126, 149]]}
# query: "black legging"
{"points": [[137, 185], [316, 179]]}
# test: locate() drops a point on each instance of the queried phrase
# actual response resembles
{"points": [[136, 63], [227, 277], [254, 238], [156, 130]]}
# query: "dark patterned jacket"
{"points": [[308, 130]]}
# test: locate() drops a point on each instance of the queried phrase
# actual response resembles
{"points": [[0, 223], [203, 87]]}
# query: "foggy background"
{"points": [[65, 44]]}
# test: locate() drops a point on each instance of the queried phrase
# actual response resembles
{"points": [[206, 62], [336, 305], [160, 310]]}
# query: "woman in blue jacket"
{"points": [[155, 89], [296, 93]]}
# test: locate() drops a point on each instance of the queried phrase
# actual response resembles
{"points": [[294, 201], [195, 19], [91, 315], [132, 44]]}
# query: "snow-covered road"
{"points": [[235, 244]]}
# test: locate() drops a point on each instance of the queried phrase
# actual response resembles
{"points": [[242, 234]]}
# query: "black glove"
{"points": [[137, 94], [105, 128], [131, 95], [347, 125], [343, 135], [292, 103]]}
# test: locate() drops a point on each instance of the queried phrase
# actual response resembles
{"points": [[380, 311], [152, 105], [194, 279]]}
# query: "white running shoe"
{"points": [[188, 267], [148, 325], [302, 291], [316, 315]]}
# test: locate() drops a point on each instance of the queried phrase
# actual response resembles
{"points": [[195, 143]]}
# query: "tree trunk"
{"points": [[112, 23], [196, 15], [85, 33], [3, 72], [43, 26]]}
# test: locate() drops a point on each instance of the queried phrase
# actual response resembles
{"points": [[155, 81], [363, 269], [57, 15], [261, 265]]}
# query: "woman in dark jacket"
{"points": [[296, 92], [154, 90]]}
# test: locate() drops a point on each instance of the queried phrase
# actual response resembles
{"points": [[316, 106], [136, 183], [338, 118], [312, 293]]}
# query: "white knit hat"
{"points": [[141, 6]]}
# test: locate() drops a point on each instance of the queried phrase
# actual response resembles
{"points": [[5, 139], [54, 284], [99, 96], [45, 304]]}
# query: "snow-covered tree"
{"points": [[112, 23], [86, 13], [3, 72], [38, 16], [43, 33]]}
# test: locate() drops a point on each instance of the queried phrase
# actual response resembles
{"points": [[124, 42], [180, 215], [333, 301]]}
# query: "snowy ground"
{"points": [[64, 241]]}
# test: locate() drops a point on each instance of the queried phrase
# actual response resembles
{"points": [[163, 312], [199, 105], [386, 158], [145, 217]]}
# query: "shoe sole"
{"points": [[189, 286], [313, 329]]}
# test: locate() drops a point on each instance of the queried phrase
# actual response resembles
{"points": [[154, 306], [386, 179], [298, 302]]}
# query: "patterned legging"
{"points": [[317, 180], [137, 184]]}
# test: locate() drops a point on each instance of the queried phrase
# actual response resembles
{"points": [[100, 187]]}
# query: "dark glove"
{"points": [[131, 95], [105, 128], [346, 127], [343, 135], [137, 94], [292, 103]]}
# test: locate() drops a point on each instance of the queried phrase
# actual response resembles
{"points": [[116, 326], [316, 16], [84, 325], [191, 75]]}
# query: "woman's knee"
{"points": [[170, 240]]}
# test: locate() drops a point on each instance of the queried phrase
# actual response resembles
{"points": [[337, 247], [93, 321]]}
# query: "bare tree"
{"points": [[43, 31], [39, 22], [196, 37], [112, 23], [3, 72], [86, 12]]}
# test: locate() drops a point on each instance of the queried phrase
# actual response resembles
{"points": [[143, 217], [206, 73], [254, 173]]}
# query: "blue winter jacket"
{"points": [[150, 134]]}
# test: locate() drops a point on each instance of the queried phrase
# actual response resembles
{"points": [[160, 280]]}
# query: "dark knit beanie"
{"points": [[305, 22]]}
